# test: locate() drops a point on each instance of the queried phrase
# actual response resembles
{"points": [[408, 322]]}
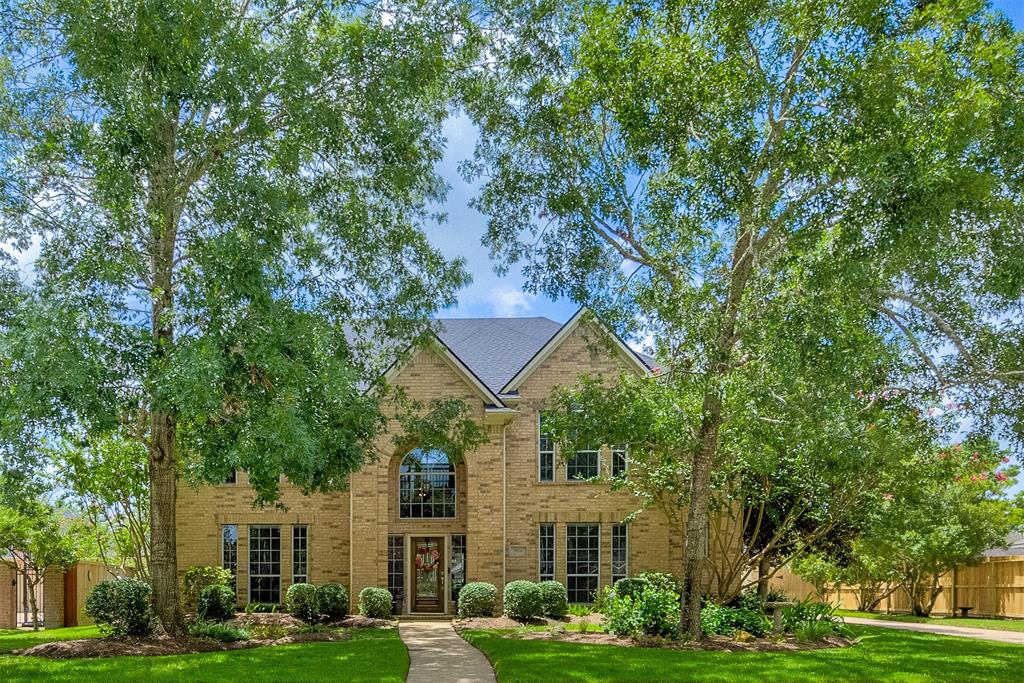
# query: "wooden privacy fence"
{"points": [[993, 588]]}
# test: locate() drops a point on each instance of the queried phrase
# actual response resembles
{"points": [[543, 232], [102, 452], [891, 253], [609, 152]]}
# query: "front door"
{"points": [[427, 564]]}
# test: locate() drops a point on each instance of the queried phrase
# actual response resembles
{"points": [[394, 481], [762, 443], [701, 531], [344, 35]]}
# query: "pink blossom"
{"points": [[1006, 459], [1001, 476], [887, 496]]}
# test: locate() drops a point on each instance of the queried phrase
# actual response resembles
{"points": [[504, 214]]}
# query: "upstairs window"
{"points": [[583, 465], [546, 452], [426, 486], [620, 461]]}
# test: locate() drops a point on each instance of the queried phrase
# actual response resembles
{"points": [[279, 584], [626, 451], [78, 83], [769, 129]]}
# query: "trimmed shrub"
{"points": [[196, 579], [332, 600], [719, 620], [121, 607], [375, 602], [216, 603], [628, 588], [477, 599], [214, 631], [522, 600], [553, 601], [645, 610], [301, 601]]}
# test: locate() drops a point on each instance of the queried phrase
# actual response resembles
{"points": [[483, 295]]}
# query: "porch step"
{"points": [[425, 617]]}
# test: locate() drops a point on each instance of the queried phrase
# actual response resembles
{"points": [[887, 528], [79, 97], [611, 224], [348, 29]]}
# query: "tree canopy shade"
{"points": [[221, 190], [722, 171]]}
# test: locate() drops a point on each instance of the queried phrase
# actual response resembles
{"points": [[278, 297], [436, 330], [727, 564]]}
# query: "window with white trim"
{"points": [[545, 451], [264, 564], [620, 460], [546, 552], [620, 552], [426, 485], [582, 561], [583, 465], [229, 551], [300, 553]]}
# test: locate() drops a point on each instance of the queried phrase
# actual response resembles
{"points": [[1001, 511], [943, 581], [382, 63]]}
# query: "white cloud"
{"points": [[509, 303]]}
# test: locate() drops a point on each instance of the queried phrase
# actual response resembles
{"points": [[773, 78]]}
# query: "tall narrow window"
{"points": [[583, 465], [232, 477], [620, 552], [396, 571], [426, 485], [620, 461], [300, 554], [264, 564], [457, 565], [229, 551], [546, 552], [545, 452], [582, 561]]}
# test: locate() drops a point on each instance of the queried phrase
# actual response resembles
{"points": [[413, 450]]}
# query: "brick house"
{"points": [[423, 527]]}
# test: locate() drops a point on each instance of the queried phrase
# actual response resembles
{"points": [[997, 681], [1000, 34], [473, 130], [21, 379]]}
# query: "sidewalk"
{"points": [[1015, 637], [438, 655]]}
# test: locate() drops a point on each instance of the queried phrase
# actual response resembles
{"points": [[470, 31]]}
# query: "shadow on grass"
{"points": [[880, 655]]}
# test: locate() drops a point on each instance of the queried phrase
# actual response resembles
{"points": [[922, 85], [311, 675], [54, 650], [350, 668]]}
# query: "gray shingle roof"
{"points": [[1015, 543], [496, 348]]}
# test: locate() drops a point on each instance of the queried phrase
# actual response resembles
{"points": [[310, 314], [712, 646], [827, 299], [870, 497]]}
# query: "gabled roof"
{"points": [[495, 355]]}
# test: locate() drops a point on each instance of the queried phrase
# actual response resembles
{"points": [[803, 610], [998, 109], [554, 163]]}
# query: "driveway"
{"points": [[1015, 637]]}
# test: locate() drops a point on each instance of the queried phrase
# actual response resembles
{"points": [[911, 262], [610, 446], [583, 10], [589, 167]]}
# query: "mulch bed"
{"points": [[505, 622], [357, 621], [152, 647]]}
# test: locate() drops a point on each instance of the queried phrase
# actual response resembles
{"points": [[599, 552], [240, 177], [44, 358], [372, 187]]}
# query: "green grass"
{"points": [[11, 639], [882, 655], [371, 655], [992, 624]]}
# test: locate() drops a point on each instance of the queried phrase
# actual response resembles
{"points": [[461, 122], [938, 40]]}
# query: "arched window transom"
{"points": [[426, 485]]}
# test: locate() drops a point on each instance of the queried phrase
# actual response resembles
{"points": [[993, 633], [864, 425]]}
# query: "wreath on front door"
{"points": [[426, 559]]}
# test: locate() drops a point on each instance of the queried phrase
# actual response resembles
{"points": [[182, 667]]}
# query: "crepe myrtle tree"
{"points": [[228, 196], [940, 511], [691, 165]]}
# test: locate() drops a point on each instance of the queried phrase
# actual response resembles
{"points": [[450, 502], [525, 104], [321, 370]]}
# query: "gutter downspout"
{"points": [[504, 514]]}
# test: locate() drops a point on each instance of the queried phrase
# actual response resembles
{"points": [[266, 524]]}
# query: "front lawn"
{"points": [[16, 639], [371, 655], [881, 655], [971, 622]]}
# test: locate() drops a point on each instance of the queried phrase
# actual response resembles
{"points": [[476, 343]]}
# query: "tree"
{"points": [[109, 482], [228, 195], [702, 167], [941, 510], [35, 542]]}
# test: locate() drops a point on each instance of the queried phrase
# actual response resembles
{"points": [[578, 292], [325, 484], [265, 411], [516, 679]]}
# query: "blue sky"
{"points": [[489, 294]]}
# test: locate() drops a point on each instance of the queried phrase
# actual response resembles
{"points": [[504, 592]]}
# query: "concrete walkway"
{"points": [[438, 655], [1015, 637]]}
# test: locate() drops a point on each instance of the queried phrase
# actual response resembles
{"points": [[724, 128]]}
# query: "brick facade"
{"points": [[500, 501]]}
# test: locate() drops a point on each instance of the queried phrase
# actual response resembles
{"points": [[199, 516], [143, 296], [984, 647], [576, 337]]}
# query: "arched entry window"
{"points": [[426, 485]]}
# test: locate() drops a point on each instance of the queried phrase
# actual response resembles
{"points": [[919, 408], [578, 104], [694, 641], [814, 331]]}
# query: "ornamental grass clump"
{"points": [[522, 600], [477, 599], [375, 602]]}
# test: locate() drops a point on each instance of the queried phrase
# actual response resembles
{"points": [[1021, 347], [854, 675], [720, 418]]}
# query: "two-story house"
{"points": [[423, 526]]}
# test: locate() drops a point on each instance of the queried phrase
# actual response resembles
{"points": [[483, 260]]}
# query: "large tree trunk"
{"points": [[763, 579], [32, 584], [163, 565], [696, 548]]}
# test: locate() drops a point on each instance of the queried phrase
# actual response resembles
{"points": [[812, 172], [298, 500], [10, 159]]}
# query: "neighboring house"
{"points": [[421, 526], [1014, 547]]}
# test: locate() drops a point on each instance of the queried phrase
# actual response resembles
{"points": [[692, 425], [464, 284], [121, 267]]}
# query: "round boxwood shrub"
{"points": [[301, 601], [216, 603], [121, 607], [199, 577], [375, 602], [477, 599], [522, 600], [553, 601], [332, 600]]}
